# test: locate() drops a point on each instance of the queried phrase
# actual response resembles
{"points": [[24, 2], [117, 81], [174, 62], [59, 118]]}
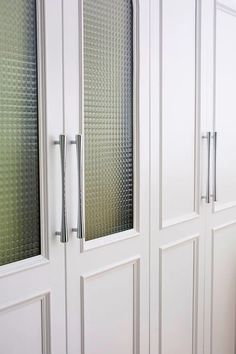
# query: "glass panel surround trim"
{"points": [[108, 117]]}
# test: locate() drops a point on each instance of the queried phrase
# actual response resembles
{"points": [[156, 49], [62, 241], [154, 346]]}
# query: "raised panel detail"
{"points": [[225, 105], [178, 297], [223, 289], [179, 110], [110, 306], [24, 327]]}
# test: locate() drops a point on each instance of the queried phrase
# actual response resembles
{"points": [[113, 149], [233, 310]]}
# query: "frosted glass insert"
{"points": [[19, 171], [108, 116]]}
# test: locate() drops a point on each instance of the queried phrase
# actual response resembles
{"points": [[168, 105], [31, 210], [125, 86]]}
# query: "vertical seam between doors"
{"points": [[63, 127]]}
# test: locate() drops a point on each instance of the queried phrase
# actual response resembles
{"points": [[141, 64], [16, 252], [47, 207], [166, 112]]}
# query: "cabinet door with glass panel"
{"points": [[32, 310], [108, 175]]}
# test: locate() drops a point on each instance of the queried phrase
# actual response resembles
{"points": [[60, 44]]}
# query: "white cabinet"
{"points": [[117, 177], [192, 238], [76, 279]]}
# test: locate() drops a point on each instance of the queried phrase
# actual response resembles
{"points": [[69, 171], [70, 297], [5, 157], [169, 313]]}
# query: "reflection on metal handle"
{"points": [[79, 229], [64, 230], [214, 182], [208, 137]]}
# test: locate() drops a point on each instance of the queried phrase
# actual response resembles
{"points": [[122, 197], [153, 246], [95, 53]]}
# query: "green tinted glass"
{"points": [[108, 116], [19, 165]]}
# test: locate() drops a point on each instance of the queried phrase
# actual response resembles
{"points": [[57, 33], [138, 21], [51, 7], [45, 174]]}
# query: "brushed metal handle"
{"points": [[79, 229], [208, 195], [64, 229], [214, 168]]}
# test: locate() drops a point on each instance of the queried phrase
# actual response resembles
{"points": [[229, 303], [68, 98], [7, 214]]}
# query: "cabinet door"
{"points": [[32, 275], [221, 234], [108, 267], [177, 209]]}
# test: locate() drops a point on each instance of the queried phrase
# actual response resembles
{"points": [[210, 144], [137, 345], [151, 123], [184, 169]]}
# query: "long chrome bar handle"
{"points": [[64, 229], [79, 229], [208, 194], [214, 161]]}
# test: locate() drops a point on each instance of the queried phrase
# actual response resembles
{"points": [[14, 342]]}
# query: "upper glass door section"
{"points": [[108, 116], [19, 153]]}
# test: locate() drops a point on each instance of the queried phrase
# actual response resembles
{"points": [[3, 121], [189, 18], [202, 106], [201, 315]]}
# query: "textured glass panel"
{"points": [[19, 171], [108, 116]]}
